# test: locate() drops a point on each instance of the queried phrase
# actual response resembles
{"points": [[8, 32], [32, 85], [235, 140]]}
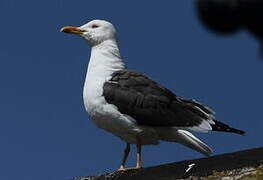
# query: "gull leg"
{"points": [[138, 154], [126, 154]]}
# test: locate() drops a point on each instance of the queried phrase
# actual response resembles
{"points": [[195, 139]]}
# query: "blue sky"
{"points": [[45, 132]]}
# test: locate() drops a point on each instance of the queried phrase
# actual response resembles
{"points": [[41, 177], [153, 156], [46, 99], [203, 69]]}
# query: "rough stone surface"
{"points": [[241, 165]]}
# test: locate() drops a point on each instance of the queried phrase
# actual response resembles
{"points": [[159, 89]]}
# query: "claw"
{"points": [[127, 169]]}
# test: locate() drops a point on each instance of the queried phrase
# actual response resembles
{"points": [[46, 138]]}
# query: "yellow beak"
{"points": [[71, 30]]}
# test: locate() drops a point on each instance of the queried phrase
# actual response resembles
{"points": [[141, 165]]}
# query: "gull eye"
{"points": [[94, 26]]}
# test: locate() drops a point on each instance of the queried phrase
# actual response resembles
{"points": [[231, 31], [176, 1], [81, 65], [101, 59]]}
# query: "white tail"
{"points": [[193, 142], [185, 138]]}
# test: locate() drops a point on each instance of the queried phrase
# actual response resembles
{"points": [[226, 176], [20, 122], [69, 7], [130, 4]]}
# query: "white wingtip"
{"points": [[203, 127]]}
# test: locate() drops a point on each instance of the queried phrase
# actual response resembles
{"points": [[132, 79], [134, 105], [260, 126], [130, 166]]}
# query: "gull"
{"points": [[134, 107]]}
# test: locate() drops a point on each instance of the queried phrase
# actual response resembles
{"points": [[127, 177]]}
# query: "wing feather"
{"points": [[151, 104]]}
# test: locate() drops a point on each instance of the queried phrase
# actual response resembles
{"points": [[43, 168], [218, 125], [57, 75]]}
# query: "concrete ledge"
{"points": [[246, 164]]}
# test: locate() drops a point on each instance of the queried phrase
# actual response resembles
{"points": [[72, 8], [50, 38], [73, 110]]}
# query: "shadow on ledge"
{"points": [[247, 164]]}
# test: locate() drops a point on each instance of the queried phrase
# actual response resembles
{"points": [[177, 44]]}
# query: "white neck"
{"points": [[104, 60]]}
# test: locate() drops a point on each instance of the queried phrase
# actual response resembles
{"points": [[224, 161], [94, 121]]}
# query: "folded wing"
{"points": [[150, 104]]}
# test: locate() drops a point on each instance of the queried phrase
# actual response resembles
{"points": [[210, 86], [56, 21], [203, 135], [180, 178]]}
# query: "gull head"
{"points": [[94, 32]]}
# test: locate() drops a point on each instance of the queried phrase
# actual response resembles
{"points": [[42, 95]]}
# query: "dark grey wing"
{"points": [[150, 104]]}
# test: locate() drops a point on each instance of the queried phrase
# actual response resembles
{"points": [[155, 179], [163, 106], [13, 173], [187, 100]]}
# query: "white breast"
{"points": [[106, 116]]}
